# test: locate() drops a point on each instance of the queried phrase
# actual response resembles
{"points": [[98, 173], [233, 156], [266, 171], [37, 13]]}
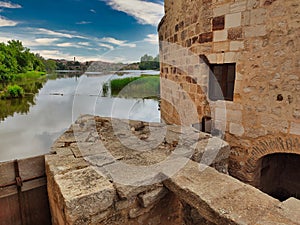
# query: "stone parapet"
{"points": [[109, 171]]}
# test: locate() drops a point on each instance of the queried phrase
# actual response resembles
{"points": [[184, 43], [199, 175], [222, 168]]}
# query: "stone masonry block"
{"points": [[221, 46], [231, 57], [238, 6], [219, 198], [235, 33], [236, 45], [218, 23], [220, 35], [221, 10], [258, 16], [92, 195], [206, 37], [295, 128], [236, 129], [233, 20], [255, 31], [152, 196], [234, 115]]}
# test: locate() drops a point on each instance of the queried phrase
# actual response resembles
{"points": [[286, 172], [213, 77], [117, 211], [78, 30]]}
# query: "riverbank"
{"points": [[22, 84]]}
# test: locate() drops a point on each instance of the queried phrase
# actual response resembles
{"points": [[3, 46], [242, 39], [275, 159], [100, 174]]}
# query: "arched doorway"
{"points": [[280, 175]]}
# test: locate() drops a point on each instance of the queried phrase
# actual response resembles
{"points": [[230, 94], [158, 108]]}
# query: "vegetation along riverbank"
{"points": [[19, 70], [145, 86]]}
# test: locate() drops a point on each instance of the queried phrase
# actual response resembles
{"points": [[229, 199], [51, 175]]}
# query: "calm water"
{"points": [[29, 126]]}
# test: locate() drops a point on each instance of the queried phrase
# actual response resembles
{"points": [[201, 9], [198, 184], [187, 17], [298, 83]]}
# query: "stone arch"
{"points": [[267, 146], [279, 175]]}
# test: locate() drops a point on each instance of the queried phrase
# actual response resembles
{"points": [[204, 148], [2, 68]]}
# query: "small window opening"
{"points": [[221, 81]]}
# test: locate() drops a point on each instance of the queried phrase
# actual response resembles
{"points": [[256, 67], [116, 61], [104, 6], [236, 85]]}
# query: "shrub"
{"points": [[15, 91]]}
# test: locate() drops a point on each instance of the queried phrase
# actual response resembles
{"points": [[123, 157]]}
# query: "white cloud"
{"points": [[9, 5], [6, 22], [93, 10], [66, 44], [110, 47], [53, 33], [84, 43], [118, 42], [52, 54], [45, 41], [152, 38], [44, 31], [145, 12], [83, 22]]}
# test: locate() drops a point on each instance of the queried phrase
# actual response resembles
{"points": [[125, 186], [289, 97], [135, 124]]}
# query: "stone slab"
{"points": [[85, 193], [220, 198]]}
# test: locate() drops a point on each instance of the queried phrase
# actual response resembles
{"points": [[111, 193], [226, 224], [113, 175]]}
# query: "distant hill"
{"points": [[147, 63], [132, 66], [100, 66]]}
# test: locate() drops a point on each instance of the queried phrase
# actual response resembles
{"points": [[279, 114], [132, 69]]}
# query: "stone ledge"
{"points": [[222, 199]]}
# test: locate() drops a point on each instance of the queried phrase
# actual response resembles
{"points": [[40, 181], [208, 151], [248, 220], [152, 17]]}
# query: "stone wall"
{"points": [[110, 171], [262, 38], [84, 184]]}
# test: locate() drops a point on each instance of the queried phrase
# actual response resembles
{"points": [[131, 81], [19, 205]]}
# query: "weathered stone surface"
{"points": [[233, 20], [220, 35], [290, 209], [261, 38], [56, 164], [151, 197], [85, 190], [222, 199], [127, 192], [85, 193], [236, 129], [218, 23], [115, 176], [206, 37]]}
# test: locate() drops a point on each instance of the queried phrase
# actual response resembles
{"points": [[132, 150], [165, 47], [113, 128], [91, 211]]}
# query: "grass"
{"points": [[144, 86], [30, 75]]}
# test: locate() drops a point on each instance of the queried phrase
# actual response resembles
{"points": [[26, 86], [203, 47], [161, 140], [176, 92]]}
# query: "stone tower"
{"points": [[235, 65]]}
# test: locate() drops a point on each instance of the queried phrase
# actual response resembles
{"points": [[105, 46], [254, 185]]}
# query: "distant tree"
{"points": [[149, 63], [50, 65], [61, 66], [146, 58]]}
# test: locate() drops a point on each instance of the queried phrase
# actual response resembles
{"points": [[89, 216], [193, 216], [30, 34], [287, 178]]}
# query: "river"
{"points": [[28, 127]]}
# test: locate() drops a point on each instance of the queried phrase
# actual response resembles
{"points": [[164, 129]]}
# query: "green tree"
{"points": [[50, 65], [15, 58], [149, 63]]}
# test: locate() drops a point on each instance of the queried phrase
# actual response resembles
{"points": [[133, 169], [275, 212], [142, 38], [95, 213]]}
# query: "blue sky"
{"points": [[107, 30]]}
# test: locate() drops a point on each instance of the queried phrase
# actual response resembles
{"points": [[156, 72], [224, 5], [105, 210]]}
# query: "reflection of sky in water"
{"points": [[32, 134]]}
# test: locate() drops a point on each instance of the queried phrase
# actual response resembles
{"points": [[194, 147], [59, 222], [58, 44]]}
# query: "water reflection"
{"points": [[9, 107], [30, 125]]}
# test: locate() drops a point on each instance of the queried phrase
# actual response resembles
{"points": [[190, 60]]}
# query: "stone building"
{"points": [[234, 65]]}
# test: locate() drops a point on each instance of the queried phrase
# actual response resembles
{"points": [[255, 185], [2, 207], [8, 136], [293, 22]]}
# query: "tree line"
{"points": [[16, 59], [149, 62]]}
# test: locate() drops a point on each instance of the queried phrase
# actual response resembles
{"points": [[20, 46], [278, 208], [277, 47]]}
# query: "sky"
{"points": [[105, 30]]}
